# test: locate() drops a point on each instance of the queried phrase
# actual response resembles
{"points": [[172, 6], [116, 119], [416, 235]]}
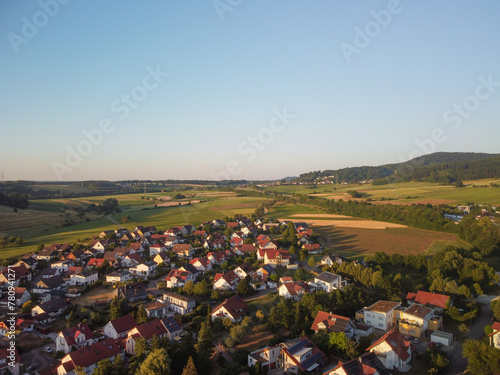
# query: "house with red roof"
{"points": [[234, 308], [267, 244], [119, 327], [183, 250], [367, 363], [178, 278], [301, 354], [201, 264], [74, 338], [333, 323], [88, 357], [216, 258], [95, 262], [294, 290], [244, 250], [146, 331], [226, 281], [131, 260], [314, 248], [393, 350], [236, 241], [495, 335], [277, 258], [434, 300]]}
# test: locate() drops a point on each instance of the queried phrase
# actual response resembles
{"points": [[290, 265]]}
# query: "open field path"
{"points": [[114, 221]]}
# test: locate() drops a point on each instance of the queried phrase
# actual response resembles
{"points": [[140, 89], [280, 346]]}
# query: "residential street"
{"points": [[457, 363]]}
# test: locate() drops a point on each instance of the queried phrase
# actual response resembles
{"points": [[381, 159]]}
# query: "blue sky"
{"points": [[421, 69]]}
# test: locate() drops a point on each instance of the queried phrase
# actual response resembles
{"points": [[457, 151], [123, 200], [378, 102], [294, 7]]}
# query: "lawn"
{"points": [[264, 304]]}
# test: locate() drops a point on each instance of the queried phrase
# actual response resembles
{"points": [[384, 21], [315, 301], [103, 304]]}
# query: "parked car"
{"points": [[431, 344], [416, 340], [48, 349]]}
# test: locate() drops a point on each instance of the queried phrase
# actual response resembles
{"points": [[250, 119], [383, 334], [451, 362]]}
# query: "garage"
{"points": [[442, 337]]}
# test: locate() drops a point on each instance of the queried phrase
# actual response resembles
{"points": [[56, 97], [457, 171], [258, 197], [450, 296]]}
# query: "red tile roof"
{"points": [[429, 299], [72, 333], [149, 329], [396, 341], [86, 357], [332, 322], [124, 323], [234, 305]]}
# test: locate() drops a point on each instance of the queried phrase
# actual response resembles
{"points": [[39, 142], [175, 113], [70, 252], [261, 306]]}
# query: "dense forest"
{"points": [[442, 167]]}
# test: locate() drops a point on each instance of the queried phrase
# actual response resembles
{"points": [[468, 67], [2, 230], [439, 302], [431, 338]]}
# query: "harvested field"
{"points": [[356, 223], [332, 216], [358, 242]]}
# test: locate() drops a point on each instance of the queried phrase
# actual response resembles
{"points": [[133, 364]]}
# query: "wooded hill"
{"points": [[442, 167]]}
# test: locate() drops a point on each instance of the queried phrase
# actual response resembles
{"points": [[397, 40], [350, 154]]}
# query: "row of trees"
{"points": [[13, 199]]}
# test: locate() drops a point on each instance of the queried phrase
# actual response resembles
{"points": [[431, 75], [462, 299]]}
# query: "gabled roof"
{"points": [[230, 277], [366, 364], [396, 341], [296, 288], [96, 262], [274, 254], [149, 329], [72, 333], [429, 299], [50, 283], [124, 323], [171, 325], [234, 305], [245, 248], [496, 328], [181, 275], [89, 355], [294, 347], [331, 322], [245, 267], [53, 305]]}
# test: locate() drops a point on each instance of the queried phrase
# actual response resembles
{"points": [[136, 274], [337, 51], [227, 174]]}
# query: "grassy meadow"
{"points": [[42, 222], [477, 191]]}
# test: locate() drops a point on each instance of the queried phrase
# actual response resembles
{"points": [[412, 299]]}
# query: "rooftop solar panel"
{"points": [[310, 361]]}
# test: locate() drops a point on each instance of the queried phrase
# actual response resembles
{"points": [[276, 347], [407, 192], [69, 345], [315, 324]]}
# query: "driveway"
{"points": [[37, 356], [458, 364]]}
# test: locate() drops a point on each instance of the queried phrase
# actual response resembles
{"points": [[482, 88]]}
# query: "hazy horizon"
{"points": [[245, 90]]}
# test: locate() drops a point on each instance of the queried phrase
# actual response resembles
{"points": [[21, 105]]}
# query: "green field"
{"points": [[43, 230], [477, 191]]}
